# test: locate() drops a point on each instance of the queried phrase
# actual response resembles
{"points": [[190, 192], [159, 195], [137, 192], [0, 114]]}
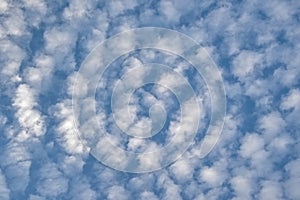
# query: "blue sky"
{"points": [[254, 44]]}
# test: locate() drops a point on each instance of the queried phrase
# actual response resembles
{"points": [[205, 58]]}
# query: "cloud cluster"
{"points": [[255, 45]]}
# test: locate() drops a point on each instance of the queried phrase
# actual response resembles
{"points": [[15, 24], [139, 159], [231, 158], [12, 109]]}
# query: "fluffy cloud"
{"points": [[182, 170], [51, 182], [16, 162], [293, 180], [4, 191], [66, 128], [245, 63], [255, 44], [29, 117], [291, 103], [271, 190], [11, 58], [242, 186], [117, 192]]}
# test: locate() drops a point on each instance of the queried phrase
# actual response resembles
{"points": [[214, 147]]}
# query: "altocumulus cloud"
{"points": [[256, 46]]}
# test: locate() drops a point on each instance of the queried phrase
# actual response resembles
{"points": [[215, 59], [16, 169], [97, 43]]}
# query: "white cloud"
{"points": [[243, 37], [66, 129], [72, 165], [27, 114], [150, 161], [35, 10], [51, 181], [76, 79], [59, 40], [281, 144], [11, 57], [182, 130], [257, 88], [168, 9], [4, 191], [3, 120], [143, 182], [245, 63], [39, 76], [182, 170], [4, 6], [290, 186], [36, 4], [136, 143], [291, 103], [148, 195], [271, 125], [291, 100], [251, 144], [117, 7], [78, 10], [15, 23], [16, 162], [117, 192], [242, 187], [253, 148], [212, 176], [36, 197], [98, 31], [270, 190], [170, 189], [280, 11], [110, 155], [81, 189]]}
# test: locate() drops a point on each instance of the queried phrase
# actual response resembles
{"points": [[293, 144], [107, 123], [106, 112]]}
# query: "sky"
{"points": [[149, 99]]}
